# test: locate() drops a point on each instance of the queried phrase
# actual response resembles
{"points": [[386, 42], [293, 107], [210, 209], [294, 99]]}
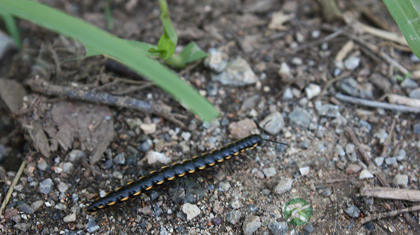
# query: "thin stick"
{"points": [[391, 193], [376, 50], [375, 104], [380, 176], [9, 193], [74, 93], [390, 214]]}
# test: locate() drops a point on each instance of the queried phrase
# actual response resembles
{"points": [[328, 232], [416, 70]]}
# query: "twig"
{"points": [[375, 104], [380, 176], [376, 50], [391, 193], [320, 41], [331, 81], [10, 191], [390, 214], [154, 107]]}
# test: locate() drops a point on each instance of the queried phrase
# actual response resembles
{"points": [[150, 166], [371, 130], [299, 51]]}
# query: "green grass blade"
{"points": [[406, 14], [169, 39], [102, 42], [11, 26], [190, 53], [108, 15]]}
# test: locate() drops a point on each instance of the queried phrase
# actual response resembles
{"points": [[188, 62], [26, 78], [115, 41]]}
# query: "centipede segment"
{"points": [[177, 170]]}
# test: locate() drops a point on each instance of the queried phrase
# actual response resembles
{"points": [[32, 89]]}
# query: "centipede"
{"points": [[174, 171]]}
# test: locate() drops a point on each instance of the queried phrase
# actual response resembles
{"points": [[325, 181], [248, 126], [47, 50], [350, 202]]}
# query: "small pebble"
{"points": [[25, 208], [379, 161], [269, 172], [91, 226], [237, 73], [120, 159], [381, 135], [68, 167], [76, 154], [352, 63], [353, 168], [400, 180], [216, 60], [42, 165], [391, 161], [352, 211], [340, 151], [415, 94], [251, 224], [62, 187], [156, 157], [300, 118], [277, 228], [70, 218], [304, 170], [308, 228], [148, 128], [186, 135], [409, 84], [191, 210], [287, 95], [284, 70], [233, 216], [37, 204], [402, 154], [284, 185], [312, 91], [273, 123], [45, 186], [224, 186], [365, 174]]}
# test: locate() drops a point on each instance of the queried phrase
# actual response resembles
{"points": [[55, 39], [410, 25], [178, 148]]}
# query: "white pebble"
{"points": [[191, 210]]}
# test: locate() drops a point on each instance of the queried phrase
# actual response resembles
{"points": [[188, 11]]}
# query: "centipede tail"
{"points": [[176, 170]]}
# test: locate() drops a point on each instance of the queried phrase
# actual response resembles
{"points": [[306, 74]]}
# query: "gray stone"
{"points": [[312, 90], [237, 73], [391, 161], [251, 224], [37, 204], [154, 157], [120, 159], [400, 180], [91, 226], [415, 94], [300, 118], [416, 128], [191, 210], [6, 44], [402, 154], [283, 186], [352, 62], [277, 228], [273, 123], [45, 186], [62, 187], [23, 226], [308, 228], [409, 84], [233, 217], [216, 60], [379, 161], [42, 165], [287, 95], [340, 151], [76, 154], [224, 186], [365, 174], [381, 135], [269, 172], [25, 208], [304, 170], [68, 167], [352, 211]]}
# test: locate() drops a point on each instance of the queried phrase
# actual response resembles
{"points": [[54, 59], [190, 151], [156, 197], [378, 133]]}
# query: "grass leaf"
{"points": [[190, 53], [406, 14], [11, 26], [102, 42]]}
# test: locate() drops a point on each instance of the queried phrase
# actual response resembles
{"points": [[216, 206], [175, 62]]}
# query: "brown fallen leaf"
{"points": [[12, 93], [91, 124]]}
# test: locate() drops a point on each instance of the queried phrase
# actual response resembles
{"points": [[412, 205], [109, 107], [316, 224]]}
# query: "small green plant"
{"points": [[133, 54], [407, 15]]}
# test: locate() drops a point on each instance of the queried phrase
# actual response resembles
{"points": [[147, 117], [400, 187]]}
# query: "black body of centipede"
{"points": [[177, 170]]}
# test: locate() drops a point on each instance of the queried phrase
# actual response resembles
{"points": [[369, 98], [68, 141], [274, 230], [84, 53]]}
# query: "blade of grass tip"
{"points": [[108, 15], [190, 53], [107, 44], [407, 17], [12, 28], [169, 39]]}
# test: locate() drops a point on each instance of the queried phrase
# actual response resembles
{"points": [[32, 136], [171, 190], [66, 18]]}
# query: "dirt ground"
{"points": [[308, 66]]}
